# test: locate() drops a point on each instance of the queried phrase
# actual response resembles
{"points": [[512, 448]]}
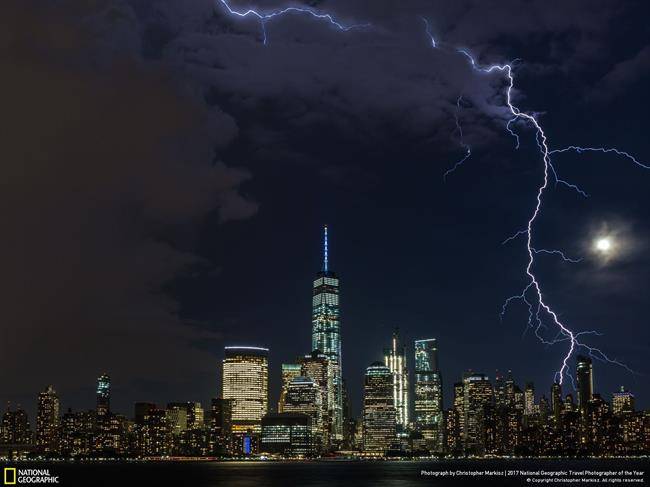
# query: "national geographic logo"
{"points": [[22, 476]]}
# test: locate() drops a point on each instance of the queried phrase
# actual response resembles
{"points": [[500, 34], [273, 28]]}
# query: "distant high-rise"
{"points": [[176, 418], [326, 331], [556, 402], [15, 427], [304, 397], [47, 420], [246, 381], [103, 395], [289, 372], [477, 397], [318, 367], [221, 425], [379, 426], [395, 360], [529, 399], [622, 401], [428, 393], [585, 379]]}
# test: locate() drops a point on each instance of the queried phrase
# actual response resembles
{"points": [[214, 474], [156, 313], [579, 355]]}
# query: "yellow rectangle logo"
{"points": [[10, 476]]}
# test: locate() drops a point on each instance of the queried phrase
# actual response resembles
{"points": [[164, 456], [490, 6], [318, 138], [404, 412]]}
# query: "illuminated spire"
{"points": [[325, 258]]}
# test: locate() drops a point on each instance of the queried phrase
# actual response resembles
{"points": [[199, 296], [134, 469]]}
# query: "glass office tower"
{"points": [[428, 394], [395, 360], [326, 332], [246, 383]]}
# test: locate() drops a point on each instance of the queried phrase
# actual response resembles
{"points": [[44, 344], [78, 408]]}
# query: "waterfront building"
{"points": [[320, 369], [477, 396], [379, 418], [221, 426], [326, 332], [428, 395], [585, 380], [622, 401], [245, 382], [15, 427], [154, 435], [77, 430], [47, 421], [556, 402], [395, 360], [288, 435], [304, 397], [177, 418], [529, 399]]}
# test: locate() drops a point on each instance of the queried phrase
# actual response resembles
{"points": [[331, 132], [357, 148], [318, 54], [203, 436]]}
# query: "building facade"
{"points": [[379, 417], [428, 395], [395, 360], [245, 373], [289, 372], [47, 421]]}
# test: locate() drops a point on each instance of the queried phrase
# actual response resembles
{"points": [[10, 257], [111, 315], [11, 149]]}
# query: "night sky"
{"points": [[166, 176]]}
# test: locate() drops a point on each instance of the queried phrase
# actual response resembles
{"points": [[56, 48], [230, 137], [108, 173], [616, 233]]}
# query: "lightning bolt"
{"points": [[459, 129], [532, 294], [265, 17]]}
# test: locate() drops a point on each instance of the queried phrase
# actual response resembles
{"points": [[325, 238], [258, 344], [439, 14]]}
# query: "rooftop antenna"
{"points": [[325, 257]]}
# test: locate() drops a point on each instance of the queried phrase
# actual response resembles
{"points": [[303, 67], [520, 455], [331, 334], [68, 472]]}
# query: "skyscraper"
{"points": [[395, 360], [304, 397], [585, 379], [477, 398], [529, 399], [103, 394], [378, 409], [246, 382], [428, 393], [326, 331], [622, 401], [47, 420], [317, 367], [556, 402], [289, 372]]}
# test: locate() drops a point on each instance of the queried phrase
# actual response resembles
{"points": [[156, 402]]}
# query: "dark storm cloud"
{"points": [[621, 77], [106, 166], [113, 111], [377, 81]]}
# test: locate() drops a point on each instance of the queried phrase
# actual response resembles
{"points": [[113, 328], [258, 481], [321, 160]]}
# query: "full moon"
{"points": [[603, 245]]}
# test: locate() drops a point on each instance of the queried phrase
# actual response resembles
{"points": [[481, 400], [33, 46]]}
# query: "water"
{"points": [[329, 473]]}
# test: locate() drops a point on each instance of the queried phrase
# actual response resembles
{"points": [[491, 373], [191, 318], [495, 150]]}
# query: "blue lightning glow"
{"points": [[265, 17], [459, 129], [532, 294], [605, 150], [537, 301], [428, 31]]}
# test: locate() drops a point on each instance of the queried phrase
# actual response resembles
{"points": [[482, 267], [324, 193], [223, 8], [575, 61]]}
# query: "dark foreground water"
{"points": [[353, 473]]}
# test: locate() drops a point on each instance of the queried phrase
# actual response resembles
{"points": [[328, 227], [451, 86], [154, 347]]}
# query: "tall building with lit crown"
{"points": [[379, 426], [103, 394], [395, 360], [289, 372], [47, 420], [428, 394], [326, 332], [304, 397], [245, 373], [622, 401]]}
